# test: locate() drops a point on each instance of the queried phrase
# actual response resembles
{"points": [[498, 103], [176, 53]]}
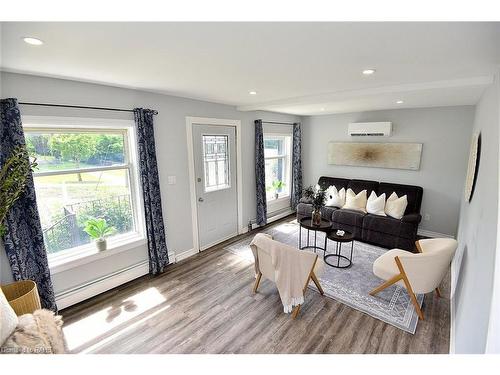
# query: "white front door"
{"points": [[215, 178]]}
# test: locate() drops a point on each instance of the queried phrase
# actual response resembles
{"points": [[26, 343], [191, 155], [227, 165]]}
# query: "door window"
{"points": [[216, 162]]}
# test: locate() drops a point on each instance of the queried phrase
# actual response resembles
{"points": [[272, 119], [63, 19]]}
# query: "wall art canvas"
{"points": [[473, 166], [379, 155]]}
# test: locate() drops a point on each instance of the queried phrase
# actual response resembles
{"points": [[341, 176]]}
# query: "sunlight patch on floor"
{"points": [[101, 322], [123, 331]]}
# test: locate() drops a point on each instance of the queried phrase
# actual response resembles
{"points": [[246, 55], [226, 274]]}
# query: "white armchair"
{"points": [[418, 273]]}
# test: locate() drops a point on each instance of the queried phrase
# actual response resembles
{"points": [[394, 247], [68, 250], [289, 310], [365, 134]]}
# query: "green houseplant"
{"points": [[276, 186], [98, 229], [13, 177], [317, 196]]}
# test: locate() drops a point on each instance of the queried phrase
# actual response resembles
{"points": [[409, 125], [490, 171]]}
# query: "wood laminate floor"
{"points": [[205, 304]]}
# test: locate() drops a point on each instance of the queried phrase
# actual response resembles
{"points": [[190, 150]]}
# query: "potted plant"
{"points": [[276, 186], [98, 229], [13, 177], [317, 196]]}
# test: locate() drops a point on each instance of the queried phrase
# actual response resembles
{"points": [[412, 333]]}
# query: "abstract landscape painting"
{"points": [[381, 155]]}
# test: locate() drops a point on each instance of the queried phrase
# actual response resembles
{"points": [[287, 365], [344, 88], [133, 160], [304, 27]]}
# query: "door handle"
{"points": [[200, 199]]}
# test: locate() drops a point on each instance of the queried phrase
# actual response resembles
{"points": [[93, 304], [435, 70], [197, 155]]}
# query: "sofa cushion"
{"points": [[376, 205], [334, 197], [389, 225], [396, 206], [327, 212], [349, 217], [387, 240], [413, 195], [355, 202]]}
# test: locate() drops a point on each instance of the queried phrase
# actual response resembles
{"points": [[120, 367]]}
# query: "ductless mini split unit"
{"points": [[370, 129]]}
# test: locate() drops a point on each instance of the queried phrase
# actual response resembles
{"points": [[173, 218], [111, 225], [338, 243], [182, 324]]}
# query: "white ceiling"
{"points": [[299, 68]]}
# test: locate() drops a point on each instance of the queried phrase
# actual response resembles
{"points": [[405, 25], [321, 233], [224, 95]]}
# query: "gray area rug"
{"points": [[351, 285]]}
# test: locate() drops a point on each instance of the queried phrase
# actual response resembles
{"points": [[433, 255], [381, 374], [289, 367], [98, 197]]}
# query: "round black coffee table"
{"points": [[339, 240], [306, 223]]}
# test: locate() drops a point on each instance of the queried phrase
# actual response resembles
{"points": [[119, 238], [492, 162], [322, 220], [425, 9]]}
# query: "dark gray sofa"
{"points": [[383, 231]]}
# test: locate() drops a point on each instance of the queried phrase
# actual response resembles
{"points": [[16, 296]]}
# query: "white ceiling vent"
{"points": [[372, 129]]}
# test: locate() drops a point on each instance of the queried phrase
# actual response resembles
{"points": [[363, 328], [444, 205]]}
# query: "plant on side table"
{"points": [[317, 196], [98, 229]]}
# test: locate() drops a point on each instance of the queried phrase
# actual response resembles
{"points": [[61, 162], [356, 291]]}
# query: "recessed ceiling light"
{"points": [[322, 109], [33, 41], [252, 92], [368, 72], [399, 102]]}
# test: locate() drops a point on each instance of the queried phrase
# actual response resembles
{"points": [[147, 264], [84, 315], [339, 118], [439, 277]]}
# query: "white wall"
{"points": [[171, 144], [445, 134], [474, 263]]}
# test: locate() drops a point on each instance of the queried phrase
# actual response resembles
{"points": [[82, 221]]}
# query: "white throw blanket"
{"points": [[291, 268]]}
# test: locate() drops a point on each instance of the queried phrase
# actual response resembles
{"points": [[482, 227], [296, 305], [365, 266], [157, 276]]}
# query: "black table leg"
{"points": [[338, 254]]}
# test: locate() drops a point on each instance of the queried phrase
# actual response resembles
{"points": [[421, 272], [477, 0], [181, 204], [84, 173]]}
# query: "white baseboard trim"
{"points": [[92, 288], [431, 234], [185, 254]]}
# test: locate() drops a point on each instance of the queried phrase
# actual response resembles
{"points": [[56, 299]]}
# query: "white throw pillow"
{"points": [[395, 206], [8, 319], [376, 205], [354, 201], [335, 198]]}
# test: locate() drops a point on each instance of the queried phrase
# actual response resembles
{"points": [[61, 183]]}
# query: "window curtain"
{"points": [[260, 174], [296, 166], [157, 244], [24, 237]]}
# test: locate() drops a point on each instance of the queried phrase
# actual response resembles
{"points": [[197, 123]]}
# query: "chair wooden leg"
{"points": [[415, 304], [257, 281], [438, 292], [409, 289], [295, 311], [316, 282], [387, 284]]}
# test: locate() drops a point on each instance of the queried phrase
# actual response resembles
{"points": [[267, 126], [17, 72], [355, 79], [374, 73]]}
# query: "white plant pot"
{"points": [[101, 244]]}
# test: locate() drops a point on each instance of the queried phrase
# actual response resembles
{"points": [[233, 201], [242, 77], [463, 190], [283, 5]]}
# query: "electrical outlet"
{"points": [[171, 180], [427, 217]]}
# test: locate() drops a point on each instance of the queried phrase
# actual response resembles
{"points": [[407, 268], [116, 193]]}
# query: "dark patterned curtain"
{"points": [[260, 174], [24, 238], [296, 166], [157, 244]]}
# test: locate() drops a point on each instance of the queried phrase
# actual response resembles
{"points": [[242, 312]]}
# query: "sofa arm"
{"points": [[305, 200], [412, 218]]}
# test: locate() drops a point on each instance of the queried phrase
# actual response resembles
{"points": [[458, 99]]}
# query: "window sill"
{"points": [[281, 199], [88, 253]]}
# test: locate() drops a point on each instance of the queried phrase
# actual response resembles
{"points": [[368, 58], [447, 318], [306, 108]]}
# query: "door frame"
{"points": [[190, 121]]}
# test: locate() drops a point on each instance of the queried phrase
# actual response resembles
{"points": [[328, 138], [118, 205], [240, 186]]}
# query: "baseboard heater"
{"points": [[275, 215], [100, 285]]}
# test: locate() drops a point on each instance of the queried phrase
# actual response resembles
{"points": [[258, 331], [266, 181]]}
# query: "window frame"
{"points": [[283, 199], [78, 255]]}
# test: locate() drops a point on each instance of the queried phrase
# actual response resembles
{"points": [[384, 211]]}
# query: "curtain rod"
{"points": [[276, 122], [82, 107]]}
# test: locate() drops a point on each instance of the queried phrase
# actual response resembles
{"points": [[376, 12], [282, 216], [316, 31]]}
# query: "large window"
{"points": [[277, 151], [83, 173]]}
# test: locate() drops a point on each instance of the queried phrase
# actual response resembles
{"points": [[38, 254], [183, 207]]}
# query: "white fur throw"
{"points": [[37, 333]]}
